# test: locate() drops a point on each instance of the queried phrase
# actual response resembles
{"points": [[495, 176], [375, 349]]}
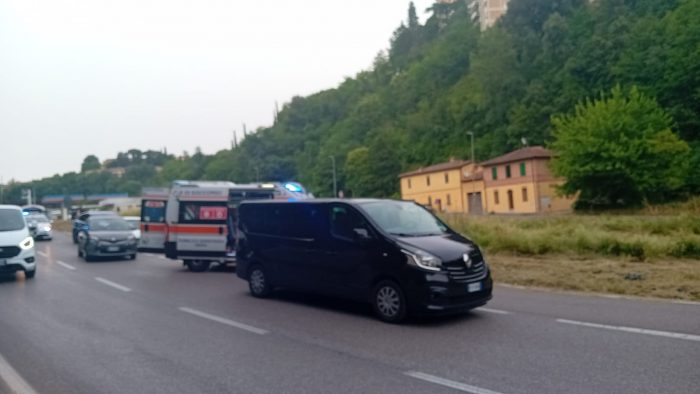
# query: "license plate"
{"points": [[474, 287], [3, 263], [113, 248]]}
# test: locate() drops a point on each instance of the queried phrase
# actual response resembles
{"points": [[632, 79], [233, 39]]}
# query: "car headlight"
{"points": [[27, 243], [423, 260], [47, 228]]}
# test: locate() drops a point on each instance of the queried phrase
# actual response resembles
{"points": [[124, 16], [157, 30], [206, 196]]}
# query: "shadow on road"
{"points": [[6, 277], [364, 310]]}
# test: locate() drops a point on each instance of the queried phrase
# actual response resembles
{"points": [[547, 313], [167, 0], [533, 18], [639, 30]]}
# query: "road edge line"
{"points": [[13, 379]]}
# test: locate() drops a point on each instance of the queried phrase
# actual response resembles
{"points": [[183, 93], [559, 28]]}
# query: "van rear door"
{"points": [[153, 227], [201, 229]]}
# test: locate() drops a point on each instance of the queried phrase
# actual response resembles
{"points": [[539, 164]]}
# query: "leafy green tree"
{"points": [[359, 174], [619, 150], [91, 162]]}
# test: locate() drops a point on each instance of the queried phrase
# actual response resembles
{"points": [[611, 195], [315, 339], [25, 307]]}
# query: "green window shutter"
{"points": [[508, 171], [494, 173], [522, 169]]}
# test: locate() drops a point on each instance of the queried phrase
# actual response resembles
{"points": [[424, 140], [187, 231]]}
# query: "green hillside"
{"points": [[444, 77]]}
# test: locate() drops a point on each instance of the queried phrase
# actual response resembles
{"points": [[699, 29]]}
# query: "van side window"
{"points": [[347, 224]]}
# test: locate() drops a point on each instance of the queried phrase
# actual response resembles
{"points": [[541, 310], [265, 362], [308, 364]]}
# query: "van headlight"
{"points": [[27, 243], [423, 260]]}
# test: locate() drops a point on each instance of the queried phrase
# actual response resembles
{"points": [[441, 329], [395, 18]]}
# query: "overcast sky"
{"points": [[81, 77]]}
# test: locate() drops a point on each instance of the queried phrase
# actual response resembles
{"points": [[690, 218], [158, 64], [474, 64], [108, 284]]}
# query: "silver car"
{"points": [[39, 226]]}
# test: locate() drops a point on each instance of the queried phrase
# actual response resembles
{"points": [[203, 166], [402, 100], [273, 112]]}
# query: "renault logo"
{"points": [[467, 260]]}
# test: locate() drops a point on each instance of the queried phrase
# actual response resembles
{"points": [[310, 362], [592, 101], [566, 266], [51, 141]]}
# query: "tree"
{"points": [[619, 150], [91, 162]]}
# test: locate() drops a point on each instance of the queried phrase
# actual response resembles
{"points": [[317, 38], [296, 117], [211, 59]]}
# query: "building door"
{"points": [[474, 202], [511, 203]]}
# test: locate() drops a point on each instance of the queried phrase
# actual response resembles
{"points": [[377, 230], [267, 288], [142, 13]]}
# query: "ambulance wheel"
{"points": [[197, 265]]}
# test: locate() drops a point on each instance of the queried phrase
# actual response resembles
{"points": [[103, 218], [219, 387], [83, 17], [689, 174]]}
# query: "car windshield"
{"points": [[11, 220], [108, 224], [38, 218], [404, 219]]}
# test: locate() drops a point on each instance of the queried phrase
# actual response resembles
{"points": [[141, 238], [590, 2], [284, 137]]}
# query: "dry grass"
{"points": [[647, 254], [677, 279], [62, 225]]}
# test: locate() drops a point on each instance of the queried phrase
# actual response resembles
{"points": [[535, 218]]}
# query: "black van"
{"points": [[394, 254]]}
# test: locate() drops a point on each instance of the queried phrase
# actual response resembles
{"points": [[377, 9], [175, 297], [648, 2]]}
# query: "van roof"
{"points": [[319, 201], [16, 207]]}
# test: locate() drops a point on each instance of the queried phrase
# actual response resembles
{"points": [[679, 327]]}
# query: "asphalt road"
{"points": [[149, 326]]}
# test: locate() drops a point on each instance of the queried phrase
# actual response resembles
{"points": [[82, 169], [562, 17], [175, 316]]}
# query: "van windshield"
{"points": [[11, 220], [404, 219]]}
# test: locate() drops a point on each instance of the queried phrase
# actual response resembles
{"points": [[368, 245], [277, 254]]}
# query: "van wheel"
{"points": [[258, 283], [388, 302], [197, 265]]}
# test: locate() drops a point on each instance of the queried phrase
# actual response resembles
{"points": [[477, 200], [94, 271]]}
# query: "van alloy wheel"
{"points": [[258, 283], [389, 303]]}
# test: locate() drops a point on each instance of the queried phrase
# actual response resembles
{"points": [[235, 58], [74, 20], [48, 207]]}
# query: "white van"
{"points": [[201, 218], [16, 244]]}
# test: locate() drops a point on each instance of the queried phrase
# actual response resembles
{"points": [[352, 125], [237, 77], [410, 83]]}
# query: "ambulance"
{"points": [[201, 218], [153, 227]]}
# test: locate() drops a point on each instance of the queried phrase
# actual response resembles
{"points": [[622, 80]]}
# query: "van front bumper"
{"points": [[24, 261], [448, 297]]}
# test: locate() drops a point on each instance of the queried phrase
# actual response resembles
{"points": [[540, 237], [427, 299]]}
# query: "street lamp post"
{"points": [[471, 134], [335, 181]]}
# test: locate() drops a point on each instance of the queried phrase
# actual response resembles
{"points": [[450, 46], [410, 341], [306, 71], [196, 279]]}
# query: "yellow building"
{"points": [[438, 186], [517, 182], [521, 182]]}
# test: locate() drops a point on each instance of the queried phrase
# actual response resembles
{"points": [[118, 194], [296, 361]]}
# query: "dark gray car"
{"points": [[106, 236]]}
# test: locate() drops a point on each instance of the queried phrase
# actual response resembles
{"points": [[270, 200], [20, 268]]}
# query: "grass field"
{"points": [[642, 254]]}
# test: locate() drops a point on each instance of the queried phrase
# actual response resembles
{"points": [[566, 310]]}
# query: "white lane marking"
{"points": [[667, 334], [449, 383], [683, 302], [222, 320], [13, 379], [496, 311], [112, 284], [42, 254], [65, 265]]}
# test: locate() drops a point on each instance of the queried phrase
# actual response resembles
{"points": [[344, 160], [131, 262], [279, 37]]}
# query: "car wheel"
{"points": [[132, 256], [388, 302], [198, 265], [30, 274], [258, 282]]}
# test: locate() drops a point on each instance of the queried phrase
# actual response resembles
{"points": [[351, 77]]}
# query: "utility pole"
{"points": [[335, 180], [471, 134]]}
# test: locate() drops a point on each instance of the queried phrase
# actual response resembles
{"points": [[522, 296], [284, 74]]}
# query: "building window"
{"points": [[522, 169], [430, 201], [449, 200], [508, 171], [511, 203], [495, 197], [524, 194], [447, 178], [494, 173], [409, 182], [427, 180]]}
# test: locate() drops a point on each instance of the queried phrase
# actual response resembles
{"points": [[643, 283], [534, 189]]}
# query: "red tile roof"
{"points": [[532, 152], [450, 165]]}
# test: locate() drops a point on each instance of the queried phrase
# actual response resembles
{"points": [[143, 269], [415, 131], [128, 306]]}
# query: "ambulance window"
{"points": [[203, 212]]}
